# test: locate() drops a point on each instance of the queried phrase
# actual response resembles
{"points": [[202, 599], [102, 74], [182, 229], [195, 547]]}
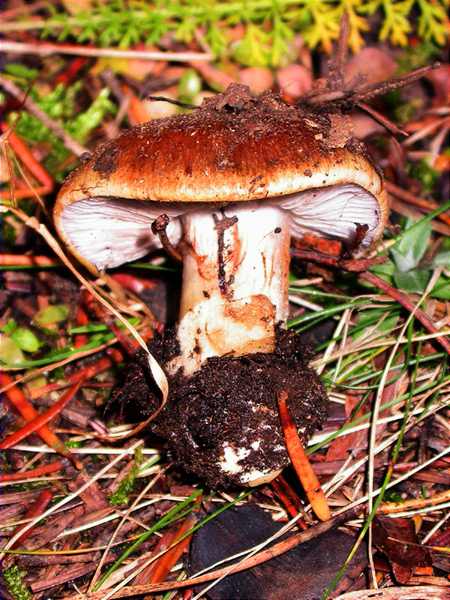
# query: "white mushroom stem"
{"points": [[235, 278]]}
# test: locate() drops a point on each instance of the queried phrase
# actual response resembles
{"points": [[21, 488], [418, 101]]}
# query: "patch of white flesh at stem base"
{"points": [[235, 277], [109, 231], [230, 464]]}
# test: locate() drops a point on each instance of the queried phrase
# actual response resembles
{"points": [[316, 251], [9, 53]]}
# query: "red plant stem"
{"points": [[81, 319], [164, 565], [70, 74], [39, 421], [129, 344], [34, 167], [133, 283], [23, 260], [37, 472], [354, 265], [300, 461], [36, 509], [17, 398], [85, 373], [404, 301], [285, 500]]}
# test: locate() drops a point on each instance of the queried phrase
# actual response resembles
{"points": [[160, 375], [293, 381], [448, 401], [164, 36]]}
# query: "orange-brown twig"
{"points": [[128, 343], [17, 398], [404, 301], [408, 197], [25, 155], [81, 319], [37, 472], [40, 420], [300, 461], [85, 373], [169, 560], [284, 498], [36, 509], [25, 260]]}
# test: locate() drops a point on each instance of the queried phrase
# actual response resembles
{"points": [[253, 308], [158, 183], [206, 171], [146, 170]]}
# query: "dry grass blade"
{"points": [[431, 592]]}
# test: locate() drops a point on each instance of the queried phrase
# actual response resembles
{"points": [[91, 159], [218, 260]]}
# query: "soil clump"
{"points": [[230, 402]]}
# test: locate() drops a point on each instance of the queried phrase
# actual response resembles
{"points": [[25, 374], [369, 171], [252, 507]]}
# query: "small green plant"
{"points": [[269, 24], [407, 269], [427, 176], [13, 577], [121, 495], [60, 104]]}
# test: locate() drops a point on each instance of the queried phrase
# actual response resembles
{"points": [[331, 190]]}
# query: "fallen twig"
{"points": [[357, 265], [403, 299], [31, 473], [17, 398], [364, 91], [431, 592], [24, 154], [48, 49], [410, 198], [387, 123], [40, 420], [25, 260], [36, 509]]}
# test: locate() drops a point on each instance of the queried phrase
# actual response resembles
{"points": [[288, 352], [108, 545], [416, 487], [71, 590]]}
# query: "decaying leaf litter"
{"points": [[104, 515]]}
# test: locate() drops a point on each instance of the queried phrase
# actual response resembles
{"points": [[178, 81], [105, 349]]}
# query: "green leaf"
{"points": [[414, 281], [253, 49], [51, 315], [385, 271], [381, 316], [26, 339], [411, 247], [121, 495], [10, 326], [442, 288], [189, 85], [10, 353], [424, 173], [442, 259], [18, 70]]}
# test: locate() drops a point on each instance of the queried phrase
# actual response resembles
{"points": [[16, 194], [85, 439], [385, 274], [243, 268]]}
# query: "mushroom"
{"points": [[237, 179]]}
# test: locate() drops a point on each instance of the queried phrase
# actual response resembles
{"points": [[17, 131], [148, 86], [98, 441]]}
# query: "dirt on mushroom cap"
{"points": [[235, 147]]}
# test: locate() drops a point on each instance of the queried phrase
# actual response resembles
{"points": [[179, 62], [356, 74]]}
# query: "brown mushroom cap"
{"points": [[235, 148]]}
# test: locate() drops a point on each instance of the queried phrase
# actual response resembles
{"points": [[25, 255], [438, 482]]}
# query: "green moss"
{"points": [[121, 495], [13, 577], [61, 105], [270, 25], [427, 176]]}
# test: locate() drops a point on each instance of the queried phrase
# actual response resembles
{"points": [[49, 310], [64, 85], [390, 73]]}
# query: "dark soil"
{"points": [[230, 401]]}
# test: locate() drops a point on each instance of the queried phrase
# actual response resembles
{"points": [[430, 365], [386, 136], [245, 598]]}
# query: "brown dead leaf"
{"points": [[341, 446], [397, 539]]}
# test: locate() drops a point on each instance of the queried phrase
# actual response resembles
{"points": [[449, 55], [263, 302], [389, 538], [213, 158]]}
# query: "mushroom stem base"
{"points": [[222, 422]]}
